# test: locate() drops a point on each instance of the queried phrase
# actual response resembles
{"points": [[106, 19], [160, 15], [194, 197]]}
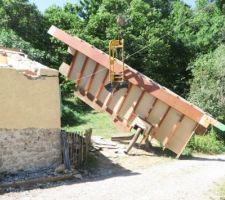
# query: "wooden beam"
{"points": [[134, 139], [72, 64], [80, 75], [84, 98], [134, 106], [109, 97], [150, 109], [131, 75], [98, 108], [90, 81], [122, 101], [101, 86], [193, 130], [156, 130], [64, 69], [71, 50], [173, 131]]}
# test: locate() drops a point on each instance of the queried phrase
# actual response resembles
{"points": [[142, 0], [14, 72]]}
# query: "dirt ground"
{"points": [[140, 175]]}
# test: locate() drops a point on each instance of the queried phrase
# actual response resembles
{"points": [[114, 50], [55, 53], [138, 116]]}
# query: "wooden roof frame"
{"points": [[136, 78]]}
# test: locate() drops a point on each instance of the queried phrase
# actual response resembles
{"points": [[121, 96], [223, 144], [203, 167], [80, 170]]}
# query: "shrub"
{"points": [[210, 143]]}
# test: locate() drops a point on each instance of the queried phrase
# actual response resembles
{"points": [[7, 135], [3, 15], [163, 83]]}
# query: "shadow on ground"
{"points": [[198, 158], [100, 167]]}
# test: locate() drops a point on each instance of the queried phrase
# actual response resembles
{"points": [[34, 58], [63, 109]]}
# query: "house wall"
{"points": [[29, 149], [29, 120], [28, 102]]}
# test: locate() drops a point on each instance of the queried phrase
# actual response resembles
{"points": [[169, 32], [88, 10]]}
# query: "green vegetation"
{"points": [[77, 117], [209, 143], [182, 49], [221, 191]]}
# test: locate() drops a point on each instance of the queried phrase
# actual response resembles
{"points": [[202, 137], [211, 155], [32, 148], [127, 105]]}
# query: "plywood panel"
{"points": [[165, 130], [131, 99], [77, 65], [157, 113], [98, 79], [116, 99], [144, 105], [182, 135], [89, 69], [104, 95]]}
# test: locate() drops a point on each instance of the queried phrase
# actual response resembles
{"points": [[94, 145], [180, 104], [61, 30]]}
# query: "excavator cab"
{"points": [[116, 79]]}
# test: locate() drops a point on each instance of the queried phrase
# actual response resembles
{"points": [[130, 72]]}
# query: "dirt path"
{"points": [[176, 179]]}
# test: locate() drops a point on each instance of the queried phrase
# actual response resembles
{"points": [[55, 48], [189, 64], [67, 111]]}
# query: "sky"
{"points": [[43, 4]]}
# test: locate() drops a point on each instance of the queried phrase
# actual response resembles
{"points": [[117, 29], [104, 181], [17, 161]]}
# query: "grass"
{"points": [[99, 122], [221, 191], [78, 116], [210, 143]]}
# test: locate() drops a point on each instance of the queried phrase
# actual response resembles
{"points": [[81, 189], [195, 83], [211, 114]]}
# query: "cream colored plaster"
{"points": [[27, 102]]}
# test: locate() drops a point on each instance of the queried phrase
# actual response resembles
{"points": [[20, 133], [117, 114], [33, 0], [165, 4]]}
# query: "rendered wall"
{"points": [[29, 120], [27, 102]]}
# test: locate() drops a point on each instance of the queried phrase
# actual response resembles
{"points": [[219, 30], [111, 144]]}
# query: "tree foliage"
{"points": [[9, 38], [208, 85]]}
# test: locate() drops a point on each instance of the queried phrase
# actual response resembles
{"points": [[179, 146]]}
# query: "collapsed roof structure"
{"points": [[172, 120]]}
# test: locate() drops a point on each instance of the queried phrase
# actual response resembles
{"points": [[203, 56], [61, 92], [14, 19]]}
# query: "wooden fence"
{"points": [[75, 146]]}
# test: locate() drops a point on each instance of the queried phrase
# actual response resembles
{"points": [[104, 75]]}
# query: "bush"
{"points": [[210, 143]]}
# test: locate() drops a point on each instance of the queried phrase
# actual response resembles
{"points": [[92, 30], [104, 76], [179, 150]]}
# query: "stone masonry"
{"points": [[29, 149]]}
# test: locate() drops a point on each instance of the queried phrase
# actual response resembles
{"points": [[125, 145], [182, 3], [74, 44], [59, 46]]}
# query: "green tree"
{"points": [[23, 18], [9, 38], [208, 85]]}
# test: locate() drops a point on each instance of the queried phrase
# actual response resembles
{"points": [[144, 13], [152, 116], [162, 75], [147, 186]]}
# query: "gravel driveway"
{"points": [[177, 179]]}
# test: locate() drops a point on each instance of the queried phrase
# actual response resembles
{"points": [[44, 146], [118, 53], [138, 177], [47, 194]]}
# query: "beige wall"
{"points": [[28, 102]]}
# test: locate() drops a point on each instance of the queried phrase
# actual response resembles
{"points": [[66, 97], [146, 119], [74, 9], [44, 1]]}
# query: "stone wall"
{"points": [[29, 149]]}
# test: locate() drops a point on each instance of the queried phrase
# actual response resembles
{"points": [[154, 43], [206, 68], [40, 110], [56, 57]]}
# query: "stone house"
{"points": [[29, 113]]}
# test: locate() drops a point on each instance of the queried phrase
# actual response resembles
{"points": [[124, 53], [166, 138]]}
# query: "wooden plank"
{"points": [[77, 66], [82, 71], [182, 135], [64, 69], [160, 122], [167, 126], [134, 139], [150, 110], [71, 50], [130, 100], [116, 100], [109, 97], [92, 78], [99, 108], [101, 86], [122, 101], [187, 140], [85, 99], [131, 75], [157, 113], [72, 63], [134, 106], [88, 72], [173, 131]]}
